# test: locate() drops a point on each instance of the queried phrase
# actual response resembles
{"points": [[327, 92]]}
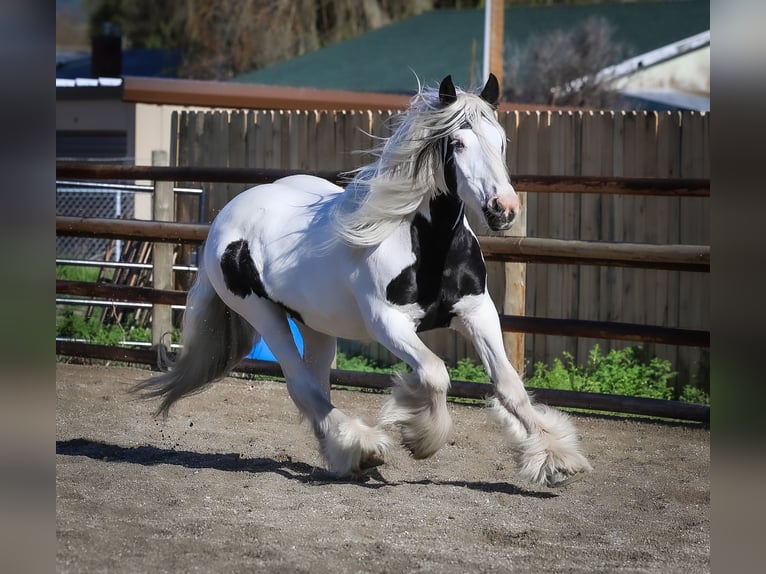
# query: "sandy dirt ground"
{"points": [[232, 482]]}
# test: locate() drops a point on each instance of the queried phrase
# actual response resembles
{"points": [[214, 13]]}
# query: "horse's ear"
{"points": [[447, 94], [491, 91]]}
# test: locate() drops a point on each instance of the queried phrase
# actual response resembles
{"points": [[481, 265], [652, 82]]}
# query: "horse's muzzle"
{"points": [[500, 214]]}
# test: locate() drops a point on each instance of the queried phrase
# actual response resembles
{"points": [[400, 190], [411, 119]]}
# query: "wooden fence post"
{"points": [[514, 302], [515, 292], [162, 253]]}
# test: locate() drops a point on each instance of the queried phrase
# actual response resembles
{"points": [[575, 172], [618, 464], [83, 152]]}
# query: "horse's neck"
{"points": [[445, 212]]}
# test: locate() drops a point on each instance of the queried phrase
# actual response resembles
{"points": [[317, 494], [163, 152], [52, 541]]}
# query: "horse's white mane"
{"points": [[409, 167]]}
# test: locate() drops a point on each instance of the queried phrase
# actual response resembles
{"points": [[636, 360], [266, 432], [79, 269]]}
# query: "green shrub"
{"points": [[626, 371], [77, 273], [691, 394], [467, 370], [74, 326], [360, 363]]}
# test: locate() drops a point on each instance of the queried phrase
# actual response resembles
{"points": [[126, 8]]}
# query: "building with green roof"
{"points": [[440, 42]]}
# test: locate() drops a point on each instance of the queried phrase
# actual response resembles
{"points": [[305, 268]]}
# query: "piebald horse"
{"points": [[389, 256]]}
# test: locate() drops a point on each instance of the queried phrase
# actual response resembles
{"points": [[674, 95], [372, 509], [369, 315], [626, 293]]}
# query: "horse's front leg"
{"points": [[544, 441], [419, 400]]}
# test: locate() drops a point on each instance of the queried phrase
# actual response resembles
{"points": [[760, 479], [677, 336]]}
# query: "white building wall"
{"points": [[688, 73]]}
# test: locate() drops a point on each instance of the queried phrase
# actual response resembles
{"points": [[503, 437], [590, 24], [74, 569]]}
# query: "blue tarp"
{"points": [[262, 352]]}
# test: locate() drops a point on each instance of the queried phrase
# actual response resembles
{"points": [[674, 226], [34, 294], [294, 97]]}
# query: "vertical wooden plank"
{"points": [[666, 211], [277, 138], [236, 134], [340, 140], [325, 141], [355, 139], [630, 169], [571, 132], [591, 141], [266, 144], [173, 144], [251, 135], [182, 138], [561, 279], [646, 220], [526, 152], [352, 144], [187, 206], [312, 137], [544, 206], [694, 311], [237, 150], [262, 138], [365, 142], [199, 143], [285, 131], [294, 141], [611, 164], [216, 129], [382, 127], [613, 225]]}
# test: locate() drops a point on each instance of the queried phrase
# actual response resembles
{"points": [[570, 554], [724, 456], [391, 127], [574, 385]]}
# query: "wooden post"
{"points": [[516, 292], [493, 40], [162, 253]]}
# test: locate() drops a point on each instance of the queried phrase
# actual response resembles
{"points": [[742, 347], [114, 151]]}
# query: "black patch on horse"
{"points": [[239, 272], [448, 264], [241, 276]]}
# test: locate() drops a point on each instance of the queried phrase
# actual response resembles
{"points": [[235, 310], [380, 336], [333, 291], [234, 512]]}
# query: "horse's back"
{"points": [[273, 212], [277, 241]]}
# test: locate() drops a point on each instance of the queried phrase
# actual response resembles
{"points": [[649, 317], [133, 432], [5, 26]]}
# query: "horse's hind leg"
{"points": [[544, 441], [349, 446]]}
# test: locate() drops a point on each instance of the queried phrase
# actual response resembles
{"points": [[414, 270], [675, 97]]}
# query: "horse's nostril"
{"points": [[492, 204]]}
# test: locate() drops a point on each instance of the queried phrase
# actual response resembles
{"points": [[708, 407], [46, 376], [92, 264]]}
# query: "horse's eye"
{"points": [[458, 144]]}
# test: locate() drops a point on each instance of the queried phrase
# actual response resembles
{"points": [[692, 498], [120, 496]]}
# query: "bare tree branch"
{"points": [[560, 68]]}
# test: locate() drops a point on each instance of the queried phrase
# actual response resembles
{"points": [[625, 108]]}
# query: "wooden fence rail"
{"points": [[642, 186], [647, 256]]}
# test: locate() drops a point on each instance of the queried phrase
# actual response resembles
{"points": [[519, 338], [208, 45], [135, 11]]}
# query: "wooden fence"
{"points": [[667, 257], [542, 144]]}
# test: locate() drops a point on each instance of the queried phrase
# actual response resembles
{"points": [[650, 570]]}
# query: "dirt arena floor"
{"points": [[232, 482]]}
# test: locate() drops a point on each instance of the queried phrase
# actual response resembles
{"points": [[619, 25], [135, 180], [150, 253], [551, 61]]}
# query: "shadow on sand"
{"points": [[233, 462]]}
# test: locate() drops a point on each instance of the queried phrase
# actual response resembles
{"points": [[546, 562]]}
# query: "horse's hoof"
{"points": [[370, 462], [417, 451], [558, 478]]}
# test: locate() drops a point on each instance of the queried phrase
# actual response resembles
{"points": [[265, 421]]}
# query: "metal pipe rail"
{"points": [[647, 186], [118, 264]]}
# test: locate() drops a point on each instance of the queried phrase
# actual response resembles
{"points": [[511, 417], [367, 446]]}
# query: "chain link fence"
{"points": [[87, 199]]}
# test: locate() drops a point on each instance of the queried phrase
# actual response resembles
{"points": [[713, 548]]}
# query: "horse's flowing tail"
{"points": [[215, 339]]}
